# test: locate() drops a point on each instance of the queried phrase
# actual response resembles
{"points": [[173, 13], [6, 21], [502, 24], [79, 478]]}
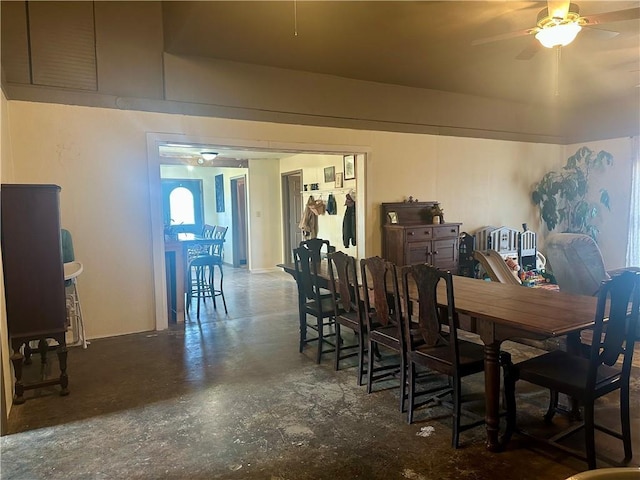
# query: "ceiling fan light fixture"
{"points": [[209, 155], [558, 35]]}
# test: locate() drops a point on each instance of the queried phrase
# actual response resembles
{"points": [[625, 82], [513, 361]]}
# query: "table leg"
{"points": [[487, 332], [492, 395]]}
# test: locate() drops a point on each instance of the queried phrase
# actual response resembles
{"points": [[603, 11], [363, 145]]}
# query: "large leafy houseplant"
{"points": [[562, 197]]}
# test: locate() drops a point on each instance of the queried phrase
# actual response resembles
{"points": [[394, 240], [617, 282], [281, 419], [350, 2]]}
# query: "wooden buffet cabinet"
{"points": [[409, 236]]}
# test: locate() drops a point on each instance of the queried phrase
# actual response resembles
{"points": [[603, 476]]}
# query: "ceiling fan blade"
{"points": [[600, 33], [616, 16], [558, 8], [529, 51], [504, 36]]}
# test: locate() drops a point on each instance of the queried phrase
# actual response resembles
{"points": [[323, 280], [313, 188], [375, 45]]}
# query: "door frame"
{"points": [[286, 200], [154, 140]]}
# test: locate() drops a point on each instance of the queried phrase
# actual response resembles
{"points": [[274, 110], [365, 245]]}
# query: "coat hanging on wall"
{"points": [[349, 222], [309, 221], [332, 205]]}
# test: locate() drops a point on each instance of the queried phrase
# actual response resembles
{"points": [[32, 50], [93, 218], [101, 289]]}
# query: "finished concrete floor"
{"points": [[230, 397]]}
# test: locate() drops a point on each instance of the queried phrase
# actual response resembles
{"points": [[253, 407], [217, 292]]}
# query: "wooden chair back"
{"points": [[344, 281], [619, 305], [316, 246], [307, 274], [430, 315], [378, 281]]}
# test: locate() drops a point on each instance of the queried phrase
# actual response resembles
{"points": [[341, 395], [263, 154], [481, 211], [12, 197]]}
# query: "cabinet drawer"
{"points": [[445, 231], [419, 234]]}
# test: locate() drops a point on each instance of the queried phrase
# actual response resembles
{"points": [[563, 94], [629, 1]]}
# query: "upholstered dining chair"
{"points": [[314, 301], [606, 370], [576, 262], [349, 309], [383, 317], [429, 345]]}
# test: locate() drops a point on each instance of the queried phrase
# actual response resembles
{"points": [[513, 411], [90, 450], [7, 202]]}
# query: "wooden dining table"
{"points": [[177, 248], [501, 312]]}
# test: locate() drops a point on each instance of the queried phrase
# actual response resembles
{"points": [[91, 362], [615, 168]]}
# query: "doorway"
{"points": [[239, 220], [291, 212]]}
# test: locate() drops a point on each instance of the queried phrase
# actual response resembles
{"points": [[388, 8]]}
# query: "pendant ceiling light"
{"points": [[558, 35], [209, 155]]}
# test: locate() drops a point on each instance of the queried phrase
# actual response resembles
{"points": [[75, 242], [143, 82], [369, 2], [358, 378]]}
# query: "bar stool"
{"points": [[200, 281], [74, 311]]}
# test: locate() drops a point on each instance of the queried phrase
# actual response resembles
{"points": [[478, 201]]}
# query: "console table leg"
{"points": [[43, 347], [16, 359], [64, 379], [27, 353]]}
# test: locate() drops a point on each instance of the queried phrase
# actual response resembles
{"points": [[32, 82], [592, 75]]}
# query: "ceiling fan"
{"points": [[559, 24]]}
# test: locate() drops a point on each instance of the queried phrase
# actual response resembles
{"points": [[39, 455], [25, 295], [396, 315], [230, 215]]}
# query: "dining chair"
{"points": [[314, 301], [607, 368], [349, 309], [433, 342], [318, 246], [382, 314]]}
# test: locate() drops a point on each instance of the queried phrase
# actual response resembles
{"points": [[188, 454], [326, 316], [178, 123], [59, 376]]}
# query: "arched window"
{"points": [[182, 204], [181, 207]]}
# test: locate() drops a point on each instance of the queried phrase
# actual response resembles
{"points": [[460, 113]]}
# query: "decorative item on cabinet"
{"points": [[33, 277], [466, 262], [409, 235]]}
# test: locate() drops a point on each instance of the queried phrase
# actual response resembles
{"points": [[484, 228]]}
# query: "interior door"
{"points": [[239, 214], [292, 211]]}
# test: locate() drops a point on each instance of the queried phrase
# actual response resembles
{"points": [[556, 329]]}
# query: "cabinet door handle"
{"points": [[435, 253], [453, 230], [411, 233]]}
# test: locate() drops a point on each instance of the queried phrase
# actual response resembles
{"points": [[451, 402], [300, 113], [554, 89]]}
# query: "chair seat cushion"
{"points": [[565, 373]]}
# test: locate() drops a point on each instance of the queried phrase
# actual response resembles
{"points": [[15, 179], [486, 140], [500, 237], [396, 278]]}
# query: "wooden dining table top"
{"points": [[540, 312]]}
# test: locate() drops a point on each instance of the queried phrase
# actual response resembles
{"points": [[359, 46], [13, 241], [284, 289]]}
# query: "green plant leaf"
{"points": [[550, 213], [569, 188], [562, 196], [604, 198], [536, 197]]}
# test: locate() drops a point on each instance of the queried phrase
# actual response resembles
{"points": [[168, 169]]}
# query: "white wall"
{"points": [[99, 158], [265, 214]]}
